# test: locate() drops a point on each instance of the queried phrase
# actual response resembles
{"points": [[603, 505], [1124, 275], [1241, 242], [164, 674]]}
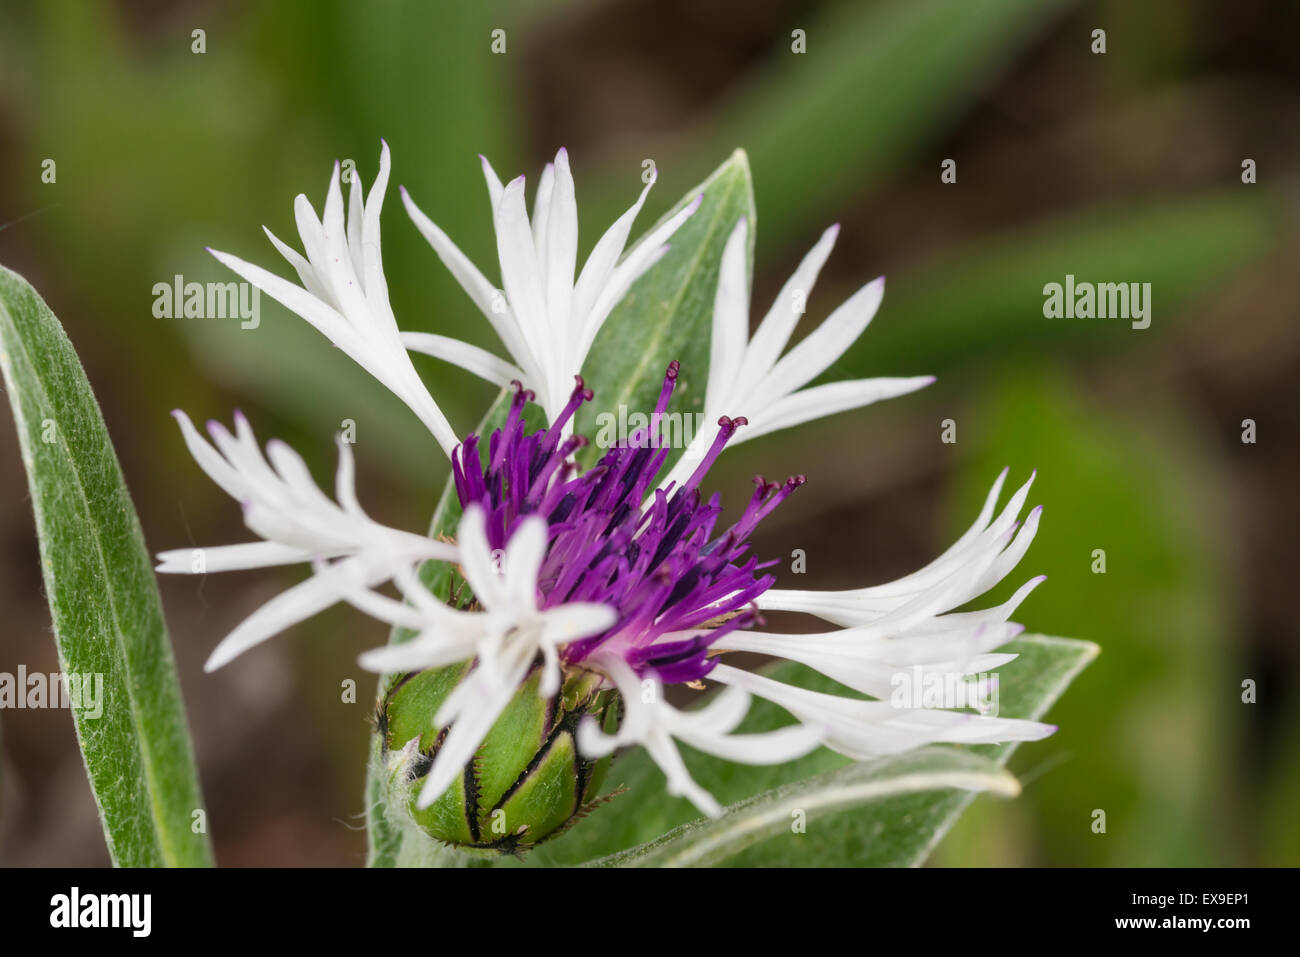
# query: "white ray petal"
{"points": [[224, 558], [468, 729], [604, 256], [481, 292], [493, 182], [866, 729], [285, 610], [827, 343], [477, 561], [523, 558], [542, 212], [730, 322], [211, 461], [774, 331], [560, 257], [522, 277], [471, 358], [824, 400]]}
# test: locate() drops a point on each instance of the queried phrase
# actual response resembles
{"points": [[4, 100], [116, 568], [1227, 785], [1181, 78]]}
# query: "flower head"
{"points": [[587, 591], [680, 590]]}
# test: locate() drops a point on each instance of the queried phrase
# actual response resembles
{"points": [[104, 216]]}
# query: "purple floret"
{"points": [[661, 566]]}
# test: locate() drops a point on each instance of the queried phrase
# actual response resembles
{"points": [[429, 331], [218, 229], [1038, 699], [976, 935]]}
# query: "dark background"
{"points": [[1120, 167]]}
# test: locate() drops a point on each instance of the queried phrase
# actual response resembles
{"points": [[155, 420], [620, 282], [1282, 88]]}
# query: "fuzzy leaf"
{"points": [[104, 600], [864, 787]]}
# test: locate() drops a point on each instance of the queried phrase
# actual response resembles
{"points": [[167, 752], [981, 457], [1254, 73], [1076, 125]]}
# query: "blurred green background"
{"points": [[1124, 166]]}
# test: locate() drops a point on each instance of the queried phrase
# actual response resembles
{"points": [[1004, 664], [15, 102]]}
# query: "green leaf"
{"points": [[668, 313], [103, 597], [865, 788], [1028, 686]]}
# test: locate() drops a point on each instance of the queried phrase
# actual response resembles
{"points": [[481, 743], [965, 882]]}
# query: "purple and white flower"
{"points": [[626, 571]]}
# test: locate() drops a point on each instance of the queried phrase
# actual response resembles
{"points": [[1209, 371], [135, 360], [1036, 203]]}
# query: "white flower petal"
{"points": [[480, 362], [521, 275], [433, 649], [774, 331], [730, 319], [493, 182], [482, 292], [814, 355], [547, 321], [867, 729], [602, 259], [210, 461], [523, 558], [542, 212], [226, 558], [476, 559], [299, 603], [560, 256], [866, 605], [483, 699], [826, 400]]}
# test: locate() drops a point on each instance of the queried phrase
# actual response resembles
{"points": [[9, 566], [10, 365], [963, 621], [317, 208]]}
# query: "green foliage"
{"points": [[868, 789], [103, 598]]}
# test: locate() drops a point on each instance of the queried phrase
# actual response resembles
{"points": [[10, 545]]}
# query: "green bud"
{"points": [[526, 782]]}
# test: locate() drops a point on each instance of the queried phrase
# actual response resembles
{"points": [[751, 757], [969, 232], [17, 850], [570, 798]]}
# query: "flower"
{"points": [[680, 592], [546, 320], [588, 591], [752, 378]]}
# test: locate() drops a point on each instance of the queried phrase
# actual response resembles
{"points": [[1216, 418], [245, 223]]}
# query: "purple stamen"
{"points": [[726, 429], [661, 564]]}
